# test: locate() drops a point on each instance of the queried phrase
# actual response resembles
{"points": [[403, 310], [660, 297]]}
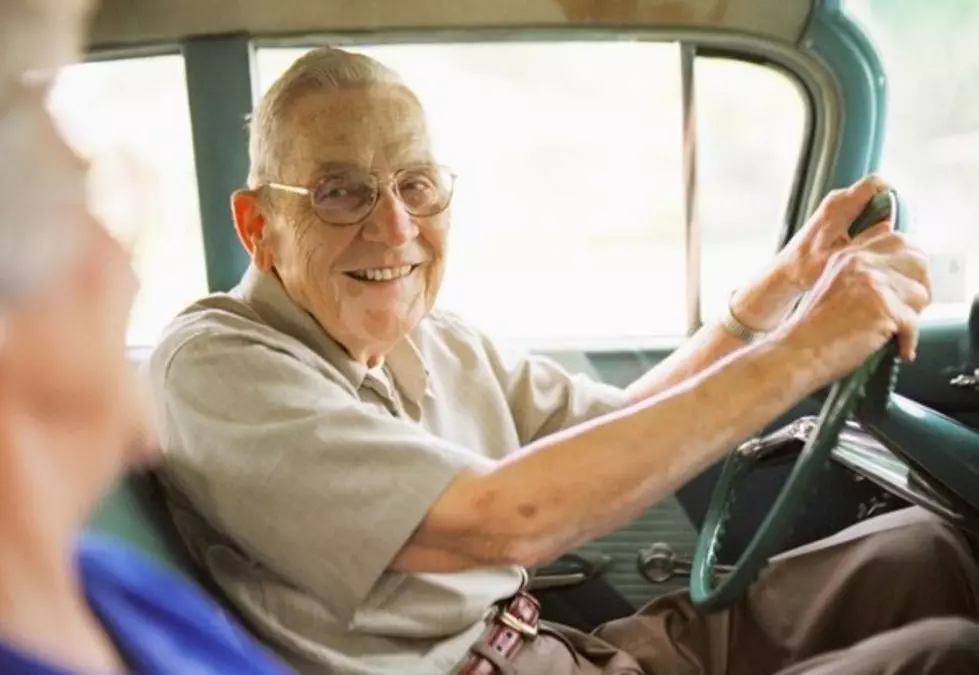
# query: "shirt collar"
{"points": [[264, 293]]}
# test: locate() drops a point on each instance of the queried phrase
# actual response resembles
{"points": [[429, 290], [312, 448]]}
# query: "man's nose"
{"points": [[390, 223]]}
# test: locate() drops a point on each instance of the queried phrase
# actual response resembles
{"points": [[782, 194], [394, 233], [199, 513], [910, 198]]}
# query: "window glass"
{"points": [[130, 117], [568, 220], [930, 56], [751, 128]]}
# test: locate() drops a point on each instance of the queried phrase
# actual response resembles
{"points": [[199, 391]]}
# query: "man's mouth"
{"points": [[378, 274]]}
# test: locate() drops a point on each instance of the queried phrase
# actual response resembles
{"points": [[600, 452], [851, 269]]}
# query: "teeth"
{"points": [[383, 273]]}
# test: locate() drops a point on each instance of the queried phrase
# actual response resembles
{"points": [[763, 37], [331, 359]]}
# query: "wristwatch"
{"points": [[735, 327]]}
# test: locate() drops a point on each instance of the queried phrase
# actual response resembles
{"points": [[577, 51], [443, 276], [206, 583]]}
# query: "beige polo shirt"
{"points": [[295, 475]]}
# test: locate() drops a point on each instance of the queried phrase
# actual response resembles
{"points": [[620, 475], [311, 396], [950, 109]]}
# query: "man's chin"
{"points": [[377, 332]]}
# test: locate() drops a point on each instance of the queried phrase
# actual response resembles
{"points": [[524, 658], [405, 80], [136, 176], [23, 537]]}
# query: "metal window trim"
{"points": [[835, 41], [818, 86], [132, 52], [691, 188]]}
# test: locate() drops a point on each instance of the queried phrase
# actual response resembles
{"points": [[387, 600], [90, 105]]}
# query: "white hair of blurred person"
{"points": [[66, 287], [33, 238], [37, 37]]}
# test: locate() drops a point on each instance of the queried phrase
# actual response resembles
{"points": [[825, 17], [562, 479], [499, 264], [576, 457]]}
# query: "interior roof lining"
{"points": [[133, 23]]}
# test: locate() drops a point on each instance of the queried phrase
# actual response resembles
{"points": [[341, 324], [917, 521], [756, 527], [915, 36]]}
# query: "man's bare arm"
{"points": [[761, 306], [765, 302], [568, 488]]}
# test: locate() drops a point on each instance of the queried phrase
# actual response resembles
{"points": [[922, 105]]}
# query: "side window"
{"points": [[568, 220], [131, 119], [752, 128], [931, 148]]}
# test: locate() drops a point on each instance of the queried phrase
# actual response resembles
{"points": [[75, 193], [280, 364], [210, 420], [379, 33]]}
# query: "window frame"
{"points": [[817, 145], [210, 105], [138, 351], [820, 143], [941, 311]]}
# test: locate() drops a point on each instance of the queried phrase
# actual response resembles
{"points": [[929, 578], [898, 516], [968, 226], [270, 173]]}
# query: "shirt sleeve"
{"points": [[544, 397], [316, 485]]}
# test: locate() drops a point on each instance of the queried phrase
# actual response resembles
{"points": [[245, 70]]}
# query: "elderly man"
{"points": [[367, 479]]}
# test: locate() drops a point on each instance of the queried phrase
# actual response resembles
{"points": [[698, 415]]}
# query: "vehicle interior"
{"points": [[653, 149]]}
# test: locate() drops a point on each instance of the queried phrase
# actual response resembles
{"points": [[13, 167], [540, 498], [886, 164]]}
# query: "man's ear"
{"points": [[252, 228]]}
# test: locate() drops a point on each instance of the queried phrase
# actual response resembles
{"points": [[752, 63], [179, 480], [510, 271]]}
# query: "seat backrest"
{"points": [[134, 512]]}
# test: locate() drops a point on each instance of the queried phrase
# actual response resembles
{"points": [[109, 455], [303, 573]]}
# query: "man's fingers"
{"points": [[905, 319], [904, 298], [867, 187], [843, 206], [911, 265], [880, 229], [907, 334], [912, 292], [892, 250]]}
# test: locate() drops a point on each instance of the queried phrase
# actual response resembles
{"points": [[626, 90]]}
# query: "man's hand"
{"points": [[869, 292], [765, 303], [804, 258]]}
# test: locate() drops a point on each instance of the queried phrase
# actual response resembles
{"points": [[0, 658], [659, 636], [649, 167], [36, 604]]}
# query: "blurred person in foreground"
{"points": [[70, 421]]}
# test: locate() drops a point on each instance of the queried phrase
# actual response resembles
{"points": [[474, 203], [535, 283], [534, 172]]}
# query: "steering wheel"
{"points": [[871, 385]]}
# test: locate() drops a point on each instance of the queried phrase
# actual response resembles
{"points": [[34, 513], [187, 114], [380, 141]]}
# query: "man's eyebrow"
{"points": [[326, 168], [332, 167]]}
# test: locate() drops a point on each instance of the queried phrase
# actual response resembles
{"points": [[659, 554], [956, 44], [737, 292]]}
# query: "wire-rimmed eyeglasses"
{"points": [[348, 196]]}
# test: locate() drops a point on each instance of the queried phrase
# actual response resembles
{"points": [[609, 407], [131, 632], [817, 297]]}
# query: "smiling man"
{"points": [[367, 479], [367, 279]]}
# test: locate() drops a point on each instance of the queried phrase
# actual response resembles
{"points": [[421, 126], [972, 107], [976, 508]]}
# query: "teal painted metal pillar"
{"points": [[847, 51], [219, 87]]}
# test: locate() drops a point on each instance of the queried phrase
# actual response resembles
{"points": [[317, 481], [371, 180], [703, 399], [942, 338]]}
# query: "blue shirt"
{"points": [[160, 622]]}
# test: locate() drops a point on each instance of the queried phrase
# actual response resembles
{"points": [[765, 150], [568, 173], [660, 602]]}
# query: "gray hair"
{"points": [[323, 69], [40, 36], [33, 236], [37, 37]]}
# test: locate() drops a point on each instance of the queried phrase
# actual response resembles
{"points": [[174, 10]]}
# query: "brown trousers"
{"points": [[895, 595]]}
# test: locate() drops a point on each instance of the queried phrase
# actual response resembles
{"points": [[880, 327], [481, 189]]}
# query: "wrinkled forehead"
{"points": [[381, 128]]}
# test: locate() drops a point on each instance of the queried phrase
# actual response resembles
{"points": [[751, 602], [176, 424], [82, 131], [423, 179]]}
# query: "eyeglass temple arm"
{"points": [[289, 188]]}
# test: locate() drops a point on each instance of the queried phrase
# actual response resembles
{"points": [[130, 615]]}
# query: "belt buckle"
{"points": [[516, 624]]}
